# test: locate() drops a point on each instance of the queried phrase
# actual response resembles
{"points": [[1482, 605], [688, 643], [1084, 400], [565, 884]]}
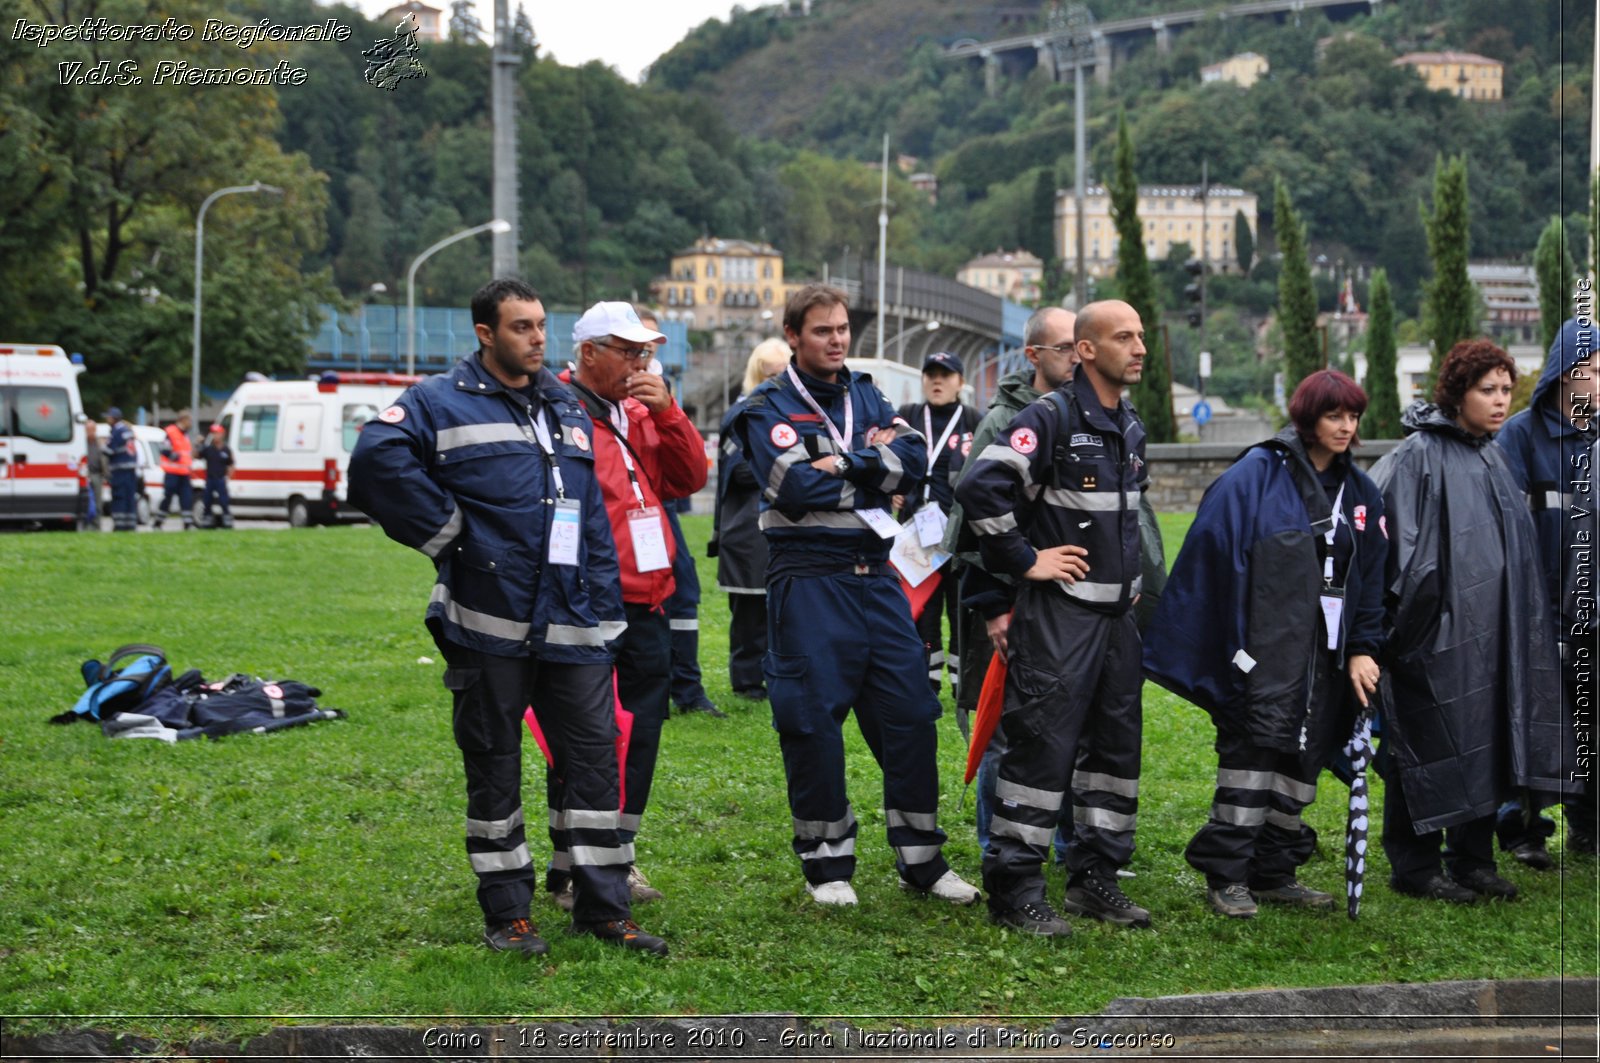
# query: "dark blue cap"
{"points": [[944, 360]]}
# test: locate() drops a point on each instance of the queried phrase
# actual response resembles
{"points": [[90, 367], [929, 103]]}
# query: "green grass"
{"points": [[321, 871]]}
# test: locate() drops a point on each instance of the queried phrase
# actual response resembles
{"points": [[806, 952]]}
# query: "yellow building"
{"points": [[1471, 77], [429, 26], [1244, 69], [1014, 275], [722, 283], [1171, 214]]}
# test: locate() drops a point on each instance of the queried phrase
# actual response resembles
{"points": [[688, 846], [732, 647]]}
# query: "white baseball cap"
{"points": [[613, 319]]}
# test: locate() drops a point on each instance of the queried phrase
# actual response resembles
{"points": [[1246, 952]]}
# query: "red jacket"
{"points": [[670, 463]]}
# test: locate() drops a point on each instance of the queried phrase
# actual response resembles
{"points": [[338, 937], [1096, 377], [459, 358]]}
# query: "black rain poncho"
{"points": [[1471, 695]]}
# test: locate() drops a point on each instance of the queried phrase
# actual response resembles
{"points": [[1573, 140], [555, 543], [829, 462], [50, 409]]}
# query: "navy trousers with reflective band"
{"points": [[1071, 722], [177, 488], [683, 614], [839, 642], [124, 499], [574, 705], [941, 604], [644, 664], [1255, 834]]}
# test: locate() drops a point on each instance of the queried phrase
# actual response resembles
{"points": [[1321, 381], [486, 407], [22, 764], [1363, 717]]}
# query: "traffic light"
{"points": [[1195, 292]]}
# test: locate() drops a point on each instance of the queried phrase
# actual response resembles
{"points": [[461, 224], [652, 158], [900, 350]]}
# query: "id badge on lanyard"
{"points": [[649, 541], [930, 521], [566, 531], [1332, 597]]}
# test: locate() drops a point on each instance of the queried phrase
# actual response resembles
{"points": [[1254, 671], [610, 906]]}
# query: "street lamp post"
{"points": [[499, 225], [199, 253], [727, 360], [899, 337]]}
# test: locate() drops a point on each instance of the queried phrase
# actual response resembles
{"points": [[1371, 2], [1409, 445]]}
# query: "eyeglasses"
{"points": [[629, 354], [1059, 348]]}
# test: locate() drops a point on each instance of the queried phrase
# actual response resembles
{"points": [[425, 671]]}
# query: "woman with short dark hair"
{"points": [[1271, 622], [1471, 703]]}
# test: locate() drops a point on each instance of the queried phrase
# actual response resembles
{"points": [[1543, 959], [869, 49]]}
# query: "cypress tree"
{"points": [[1383, 390], [1152, 395], [1244, 242], [1297, 299], [1553, 266], [1449, 293]]}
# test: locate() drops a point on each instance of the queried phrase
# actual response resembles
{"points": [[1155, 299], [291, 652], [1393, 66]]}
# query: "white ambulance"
{"points": [[42, 438], [292, 439]]}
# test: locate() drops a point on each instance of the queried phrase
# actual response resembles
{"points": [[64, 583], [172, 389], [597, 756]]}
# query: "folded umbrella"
{"points": [[1359, 750], [624, 733]]}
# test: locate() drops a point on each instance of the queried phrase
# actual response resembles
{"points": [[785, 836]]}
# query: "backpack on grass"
{"points": [[121, 684]]}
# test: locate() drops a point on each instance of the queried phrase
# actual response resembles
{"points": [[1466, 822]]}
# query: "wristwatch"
{"points": [[843, 466]]}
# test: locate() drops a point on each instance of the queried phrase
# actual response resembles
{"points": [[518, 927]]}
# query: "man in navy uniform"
{"points": [[1055, 502], [488, 470], [831, 452], [122, 458]]}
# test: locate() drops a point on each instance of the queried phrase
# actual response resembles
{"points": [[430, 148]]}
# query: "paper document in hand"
{"points": [[911, 559]]}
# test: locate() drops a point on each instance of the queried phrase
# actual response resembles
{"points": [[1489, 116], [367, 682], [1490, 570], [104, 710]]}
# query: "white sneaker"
{"points": [[564, 896], [838, 892], [950, 887]]}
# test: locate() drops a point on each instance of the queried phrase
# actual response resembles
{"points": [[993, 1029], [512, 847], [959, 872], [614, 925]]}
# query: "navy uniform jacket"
{"points": [[945, 469], [1063, 474], [120, 447], [454, 469], [809, 516]]}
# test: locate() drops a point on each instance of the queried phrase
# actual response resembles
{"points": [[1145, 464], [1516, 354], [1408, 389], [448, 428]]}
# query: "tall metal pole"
{"points": [[499, 226], [1205, 244], [503, 87], [883, 238], [1080, 289], [199, 257]]}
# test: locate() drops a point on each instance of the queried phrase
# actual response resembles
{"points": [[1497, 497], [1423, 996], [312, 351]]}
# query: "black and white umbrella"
{"points": [[1359, 750]]}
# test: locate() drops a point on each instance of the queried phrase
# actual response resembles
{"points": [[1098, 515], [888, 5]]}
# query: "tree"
{"points": [[464, 24], [1244, 242], [1152, 395], [1383, 394], [1297, 298], [1040, 236], [1553, 266], [1448, 295], [522, 35]]}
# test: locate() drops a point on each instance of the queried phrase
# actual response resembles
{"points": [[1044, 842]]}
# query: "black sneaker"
{"points": [[519, 935], [622, 932], [752, 693], [1232, 900], [704, 705], [1533, 854], [1099, 897], [1435, 888], [1485, 883], [1035, 917]]}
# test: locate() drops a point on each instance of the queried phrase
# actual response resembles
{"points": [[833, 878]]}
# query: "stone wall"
{"points": [[1181, 472]]}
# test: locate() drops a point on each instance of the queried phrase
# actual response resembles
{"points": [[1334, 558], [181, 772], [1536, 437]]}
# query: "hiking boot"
{"points": [[1295, 895], [1034, 917], [564, 897], [1533, 854], [1232, 900], [622, 932], [1435, 888], [838, 893], [752, 693], [703, 705], [1485, 883], [639, 888], [519, 935], [1099, 897], [950, 887]]}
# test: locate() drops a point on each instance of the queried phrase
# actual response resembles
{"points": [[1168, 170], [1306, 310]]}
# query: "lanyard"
{"points": [[934, 449], [547, 445], [1333, 528], [849, 417], [613, 411]]}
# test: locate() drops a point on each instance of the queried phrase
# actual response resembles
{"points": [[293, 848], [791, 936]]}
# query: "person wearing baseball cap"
{"points": [[646, 450], [218, 457], [947, 426]]}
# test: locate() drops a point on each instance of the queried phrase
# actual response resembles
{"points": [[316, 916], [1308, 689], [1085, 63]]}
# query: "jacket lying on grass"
{"points": [[140, 699]]}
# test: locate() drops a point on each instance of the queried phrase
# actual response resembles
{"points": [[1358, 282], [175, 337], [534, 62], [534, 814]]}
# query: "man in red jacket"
{"points": [[645, 449], [177, 460]]}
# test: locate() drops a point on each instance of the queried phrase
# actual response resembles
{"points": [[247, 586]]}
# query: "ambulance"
{"points": [[292, 439], [43, 443]]}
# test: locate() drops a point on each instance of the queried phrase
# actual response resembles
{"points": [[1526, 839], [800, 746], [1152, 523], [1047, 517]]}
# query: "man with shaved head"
{"points": [[1055, 503]]}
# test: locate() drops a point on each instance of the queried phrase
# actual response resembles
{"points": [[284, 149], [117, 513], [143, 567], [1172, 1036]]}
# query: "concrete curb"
{"points": [[1532, 1018]]}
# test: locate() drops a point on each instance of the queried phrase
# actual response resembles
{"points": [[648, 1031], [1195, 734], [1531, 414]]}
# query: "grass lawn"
{"points": [[321, 870]]}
